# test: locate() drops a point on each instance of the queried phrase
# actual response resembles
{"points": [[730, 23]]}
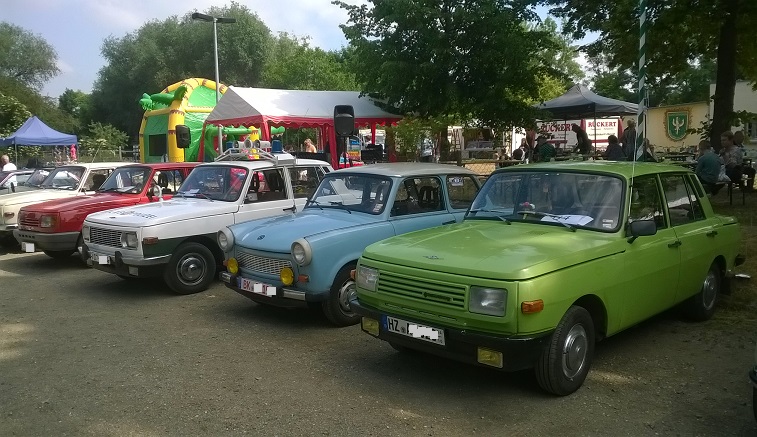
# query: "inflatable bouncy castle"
{"points": [[184, 103]]}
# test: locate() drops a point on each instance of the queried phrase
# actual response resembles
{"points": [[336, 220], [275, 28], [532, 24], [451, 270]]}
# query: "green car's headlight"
{"points": [[367, 278], [489, 301]]}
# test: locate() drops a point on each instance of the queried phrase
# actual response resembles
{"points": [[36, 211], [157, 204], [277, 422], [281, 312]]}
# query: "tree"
{"points": [[12, 114], [477, 60], [164, 52], [43, 107], [293, 64], [102, 138], [679, 32], [25, 57]]}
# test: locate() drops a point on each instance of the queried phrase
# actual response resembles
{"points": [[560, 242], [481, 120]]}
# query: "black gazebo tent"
{"points": [[580, 102]]}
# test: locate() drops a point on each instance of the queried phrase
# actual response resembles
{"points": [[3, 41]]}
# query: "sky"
{"points": [[77, 28]]}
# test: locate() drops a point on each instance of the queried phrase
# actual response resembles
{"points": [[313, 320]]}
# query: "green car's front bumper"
{"points": [[518, 353]]}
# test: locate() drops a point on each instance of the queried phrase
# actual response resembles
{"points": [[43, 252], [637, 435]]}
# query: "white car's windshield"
{"points": [[127, 180], [362, 193], [36, 179], [570, 199], [64, 178], [214, 182]]}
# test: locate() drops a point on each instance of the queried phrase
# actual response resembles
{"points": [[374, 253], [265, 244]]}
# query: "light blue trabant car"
{"points": [[306, 259]]}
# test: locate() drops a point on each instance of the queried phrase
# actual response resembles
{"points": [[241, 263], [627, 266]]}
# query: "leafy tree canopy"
{"points": [[293, 64], [25, 57], [477, 60], [12, 114]]}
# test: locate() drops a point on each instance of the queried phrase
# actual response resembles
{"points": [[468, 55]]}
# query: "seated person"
{"points": [[708, 168], [97, 181], [163, 183]]}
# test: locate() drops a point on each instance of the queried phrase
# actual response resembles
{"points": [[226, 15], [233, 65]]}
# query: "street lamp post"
{"points": [[215, 21]]}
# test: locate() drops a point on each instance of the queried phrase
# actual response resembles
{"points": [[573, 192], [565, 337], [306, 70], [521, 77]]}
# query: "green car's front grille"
{"points": [[450, 295]]}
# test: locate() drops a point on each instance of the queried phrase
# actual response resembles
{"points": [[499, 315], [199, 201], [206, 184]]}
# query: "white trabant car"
{"points": [[64, 181], [176, 238]]}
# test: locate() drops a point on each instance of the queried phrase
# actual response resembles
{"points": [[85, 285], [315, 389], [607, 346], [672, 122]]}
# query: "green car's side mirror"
{"points": [[641, 228]]}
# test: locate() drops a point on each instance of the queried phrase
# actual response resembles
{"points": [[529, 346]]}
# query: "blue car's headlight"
{"points": [[225, 239]]}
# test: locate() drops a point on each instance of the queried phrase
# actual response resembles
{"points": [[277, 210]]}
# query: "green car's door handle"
{"points": [[449, 222], [675, 243], [712, 233]]}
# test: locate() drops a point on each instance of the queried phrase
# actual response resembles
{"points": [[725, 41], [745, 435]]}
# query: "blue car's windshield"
{"points": [[361, 193]]}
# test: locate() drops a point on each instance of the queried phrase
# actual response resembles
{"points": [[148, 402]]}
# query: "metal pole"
{"points": [[640, 121], [215, 54]]}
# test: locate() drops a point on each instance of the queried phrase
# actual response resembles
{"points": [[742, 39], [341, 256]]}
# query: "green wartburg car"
{"points": [[550, 259]]}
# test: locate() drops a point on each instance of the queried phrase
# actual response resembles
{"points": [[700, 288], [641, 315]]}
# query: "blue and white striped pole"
{"points": [[640, 112]]}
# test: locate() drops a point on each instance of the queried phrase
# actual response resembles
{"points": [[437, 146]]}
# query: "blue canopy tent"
{"points": [[36, 133]]}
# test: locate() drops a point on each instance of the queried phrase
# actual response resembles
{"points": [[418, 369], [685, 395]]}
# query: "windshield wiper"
{"points": [[546, 214], [474, 211], [335, 203], [107, 189], [202, 195], [313, 202]]}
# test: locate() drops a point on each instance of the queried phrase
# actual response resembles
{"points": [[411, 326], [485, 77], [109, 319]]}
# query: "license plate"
{"points": [[27, 247], [100, 259], [257, 287], [414, 330]]}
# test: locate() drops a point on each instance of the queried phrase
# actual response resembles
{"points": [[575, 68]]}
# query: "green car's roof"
{"points": [[402, 169], [622, 168]]}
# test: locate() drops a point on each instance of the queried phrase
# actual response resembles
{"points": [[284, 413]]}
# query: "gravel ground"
{"points": [[86, 353]]}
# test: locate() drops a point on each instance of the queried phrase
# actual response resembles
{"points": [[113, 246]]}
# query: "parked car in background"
{"points": [[176, 239], [307, 258], [62, 182], [55, 226], [550, 258], [11, 180]]}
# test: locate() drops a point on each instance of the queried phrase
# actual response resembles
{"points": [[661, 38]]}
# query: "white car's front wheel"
{"points": [[191, 269]]}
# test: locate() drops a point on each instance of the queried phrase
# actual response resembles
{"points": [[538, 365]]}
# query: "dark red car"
{"points": [[55, 226]]}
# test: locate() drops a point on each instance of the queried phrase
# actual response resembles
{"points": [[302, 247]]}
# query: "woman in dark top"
{"points": [[584, 145]]}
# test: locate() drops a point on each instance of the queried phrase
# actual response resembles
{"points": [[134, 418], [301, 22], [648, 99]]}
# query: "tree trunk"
{"points": [[725, 84]]}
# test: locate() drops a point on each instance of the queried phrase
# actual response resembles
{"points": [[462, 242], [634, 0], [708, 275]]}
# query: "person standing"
{"points": [[732, 157], [629, 139], [7, 165], [583, 145], [309, 146], [748, 170], [614, 151]]}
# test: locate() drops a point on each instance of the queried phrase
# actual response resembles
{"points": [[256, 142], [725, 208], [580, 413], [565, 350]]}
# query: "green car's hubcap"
{"points": [[574, 351], [709, 290]]}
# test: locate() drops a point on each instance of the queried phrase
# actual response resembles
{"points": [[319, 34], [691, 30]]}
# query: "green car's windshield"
{"points": [[362, 193], [578, 200]]}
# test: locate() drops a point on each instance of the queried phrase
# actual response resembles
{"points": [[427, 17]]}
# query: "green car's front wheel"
{"points": [[566, 359]]}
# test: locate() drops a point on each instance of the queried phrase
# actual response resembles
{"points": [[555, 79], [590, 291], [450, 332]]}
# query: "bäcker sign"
{"points": [[561, 132]]}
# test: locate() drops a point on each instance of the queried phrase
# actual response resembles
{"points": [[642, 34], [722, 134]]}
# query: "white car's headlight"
{"points": [[301, 252], [490, 301], [367, 278], [225, 239], [47, 221], [85, 232], [129, 240]]}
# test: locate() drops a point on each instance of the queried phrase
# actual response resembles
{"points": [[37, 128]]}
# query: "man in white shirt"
{"points": [[7, 165]]}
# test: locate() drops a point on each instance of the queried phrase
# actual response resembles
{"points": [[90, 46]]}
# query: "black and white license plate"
{"points": [[100, 259], [256, 287], [414, 330]]}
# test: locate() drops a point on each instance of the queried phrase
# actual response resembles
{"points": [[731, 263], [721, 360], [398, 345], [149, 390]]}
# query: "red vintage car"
{"points": [[55, 226]]}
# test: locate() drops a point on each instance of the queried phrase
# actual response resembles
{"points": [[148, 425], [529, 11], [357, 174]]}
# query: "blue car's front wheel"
{"points": [[337, 306]]}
